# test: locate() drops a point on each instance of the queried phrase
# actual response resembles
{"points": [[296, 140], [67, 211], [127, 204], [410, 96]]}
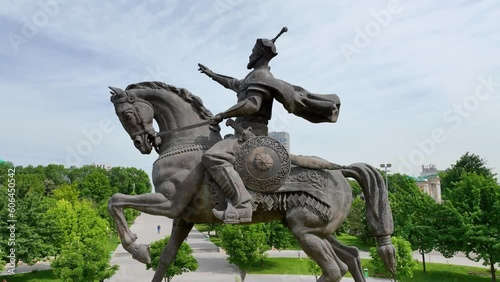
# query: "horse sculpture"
{"points": [[312, 202]]}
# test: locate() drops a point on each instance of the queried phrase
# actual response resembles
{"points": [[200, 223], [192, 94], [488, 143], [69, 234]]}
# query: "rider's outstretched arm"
{"points": [[249, 106], [227, 81]]}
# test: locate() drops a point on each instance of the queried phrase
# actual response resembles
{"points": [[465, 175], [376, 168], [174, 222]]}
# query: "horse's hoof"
{"points": [[140, 252]]}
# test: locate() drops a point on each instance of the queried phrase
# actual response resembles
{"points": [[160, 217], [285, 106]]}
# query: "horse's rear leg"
{"points": [[180, 230], [311, 232], [151, 203], [350, 256]]}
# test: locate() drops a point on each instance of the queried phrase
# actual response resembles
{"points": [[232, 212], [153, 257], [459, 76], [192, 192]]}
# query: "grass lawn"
{"points": [[202, 227], [450, 273], [294, 266], [113, 242], [350, 240], [38, 276], [346, 239], [435, 271]]}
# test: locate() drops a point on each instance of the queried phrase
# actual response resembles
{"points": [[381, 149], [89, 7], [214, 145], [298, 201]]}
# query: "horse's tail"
{"points": [[378, 211]]}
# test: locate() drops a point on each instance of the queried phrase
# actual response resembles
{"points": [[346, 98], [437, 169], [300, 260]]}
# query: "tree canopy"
{"points": [[184, 261], [475, 202], [467, 163], [245, 245], [62, 212]]}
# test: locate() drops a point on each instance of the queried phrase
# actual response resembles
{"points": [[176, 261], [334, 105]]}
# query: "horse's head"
{"points": [[136, 116]]}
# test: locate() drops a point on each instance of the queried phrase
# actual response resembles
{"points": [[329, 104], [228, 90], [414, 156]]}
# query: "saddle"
{"points": [[302, 187], [277, 180]]}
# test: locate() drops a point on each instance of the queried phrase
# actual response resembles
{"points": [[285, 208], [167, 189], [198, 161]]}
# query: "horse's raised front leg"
{"points": [[151, 203], [180, 230]]}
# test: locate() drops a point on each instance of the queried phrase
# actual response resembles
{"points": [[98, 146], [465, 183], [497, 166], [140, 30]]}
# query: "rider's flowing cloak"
{"points": [[313, 107]]}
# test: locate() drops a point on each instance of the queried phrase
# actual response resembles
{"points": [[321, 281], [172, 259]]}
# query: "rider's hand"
{"points": [[205, 70], [214, 122]]}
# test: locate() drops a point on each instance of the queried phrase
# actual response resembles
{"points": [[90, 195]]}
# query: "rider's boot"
{"points": [[239, 209]]}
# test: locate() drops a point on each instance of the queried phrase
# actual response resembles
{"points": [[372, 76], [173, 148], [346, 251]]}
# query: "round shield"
{"points": [[263, 164]]}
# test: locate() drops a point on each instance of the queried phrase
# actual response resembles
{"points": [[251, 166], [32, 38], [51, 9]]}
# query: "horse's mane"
{"points": [[183, 93]]}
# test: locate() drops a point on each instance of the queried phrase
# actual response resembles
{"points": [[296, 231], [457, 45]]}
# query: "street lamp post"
{"points": [[386, 169]]}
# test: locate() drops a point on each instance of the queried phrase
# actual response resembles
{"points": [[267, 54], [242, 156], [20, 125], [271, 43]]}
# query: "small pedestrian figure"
{"points": [[159, 227]]}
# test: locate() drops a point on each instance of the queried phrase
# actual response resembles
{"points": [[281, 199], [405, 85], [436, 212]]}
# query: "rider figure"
{"points": [[253, 110], [256, 93]]}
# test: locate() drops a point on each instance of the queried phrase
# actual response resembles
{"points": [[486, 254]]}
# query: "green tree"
{"points": [[83, 261], [31, 228], [84, 255], [55, 175], [422, 233], [245, 245], [279, 236], [95, 186], [67, 192], [356, 189], [357, 225], [214, 226], [450, 228], [414, 214], [406, 263], [4, 168], [130, 181], [476, 198], [184, 261], [314, 269], [63, 224], [466, 164], [76, 174], [58, 174], [2, 263]]}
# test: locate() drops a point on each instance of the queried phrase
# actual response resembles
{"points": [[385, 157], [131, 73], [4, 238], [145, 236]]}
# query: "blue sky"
{"points": [[419, 81]]}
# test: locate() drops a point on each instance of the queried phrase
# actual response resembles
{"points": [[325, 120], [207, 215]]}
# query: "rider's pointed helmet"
{"points": [[268, 46]]}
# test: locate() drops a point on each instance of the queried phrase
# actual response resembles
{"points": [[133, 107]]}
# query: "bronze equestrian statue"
{"points": [[201, 178]]}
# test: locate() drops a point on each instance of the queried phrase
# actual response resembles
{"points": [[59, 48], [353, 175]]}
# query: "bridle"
{"points": [[153, 135]]}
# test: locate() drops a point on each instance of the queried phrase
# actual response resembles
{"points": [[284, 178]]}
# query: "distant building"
{"points": [[282, 137], [429, 182], [103, 166]]}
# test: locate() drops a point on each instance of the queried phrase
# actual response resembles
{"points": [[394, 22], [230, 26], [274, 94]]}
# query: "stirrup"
{"points": [[228, 217], [231, 215]]}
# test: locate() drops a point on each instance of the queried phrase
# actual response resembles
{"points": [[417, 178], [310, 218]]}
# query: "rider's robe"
{"points": [[313, 107]]}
